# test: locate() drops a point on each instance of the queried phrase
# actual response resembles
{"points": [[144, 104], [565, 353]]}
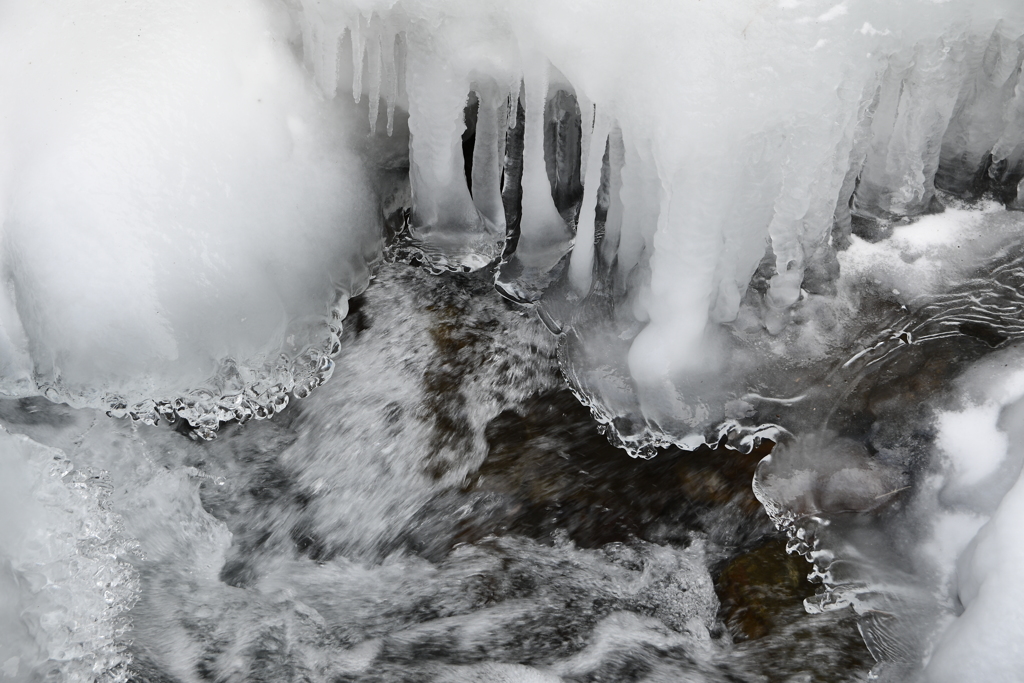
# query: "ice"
{"points": [[905, 535], [65, 583], [331, 541], [983, 476], [179, 206], [990, 590], [447, 227], [972, 435], [744, 220], [751, 240], [489, 153], [744, 145], [544, 238], [808, 114], [582, 262]]}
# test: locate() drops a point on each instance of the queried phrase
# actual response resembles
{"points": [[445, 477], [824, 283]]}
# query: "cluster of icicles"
{"points": [[634, 172], [662, 189]]}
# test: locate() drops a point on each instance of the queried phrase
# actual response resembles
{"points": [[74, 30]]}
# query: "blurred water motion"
{"points": [[441, 510]]}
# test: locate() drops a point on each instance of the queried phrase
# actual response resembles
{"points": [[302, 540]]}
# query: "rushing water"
{"points": [[442, 509]]}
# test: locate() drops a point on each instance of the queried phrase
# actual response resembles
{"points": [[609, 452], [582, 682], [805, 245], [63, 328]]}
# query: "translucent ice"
{"points": [[64, 582], [742, 141]]}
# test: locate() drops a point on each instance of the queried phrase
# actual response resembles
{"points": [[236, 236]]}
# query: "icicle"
{"points": [[978, 117], [358, 50], [815, 168], [487, 154], [513, 102], [436, 125], [512, 181], [792, 205], [1013, 123], [389, 72], [326, 62], [542, 227], [544, 237], [613, 220], [688, 238], [374, 71], [448, 231], [843, 216], [898, 177], [563, 150], [1018, 203], [581, 262], [322, 31], [745, 221], [640, 202], [308, 40]]}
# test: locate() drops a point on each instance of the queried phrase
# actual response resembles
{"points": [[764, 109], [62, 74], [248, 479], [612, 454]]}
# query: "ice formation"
{"points": [[709, 203], [64, 584], [179, 208], [727, 145]]}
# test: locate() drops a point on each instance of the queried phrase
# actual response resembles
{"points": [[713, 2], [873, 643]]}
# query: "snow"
{"points": [[173, 193]]}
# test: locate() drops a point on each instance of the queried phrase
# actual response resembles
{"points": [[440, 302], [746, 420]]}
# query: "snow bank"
{"points": [[178, 204], [981, 450]]}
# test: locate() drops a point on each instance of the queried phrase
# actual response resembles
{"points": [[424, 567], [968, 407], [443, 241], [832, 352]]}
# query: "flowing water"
{"points": [[770, 248], [443, 509]]}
